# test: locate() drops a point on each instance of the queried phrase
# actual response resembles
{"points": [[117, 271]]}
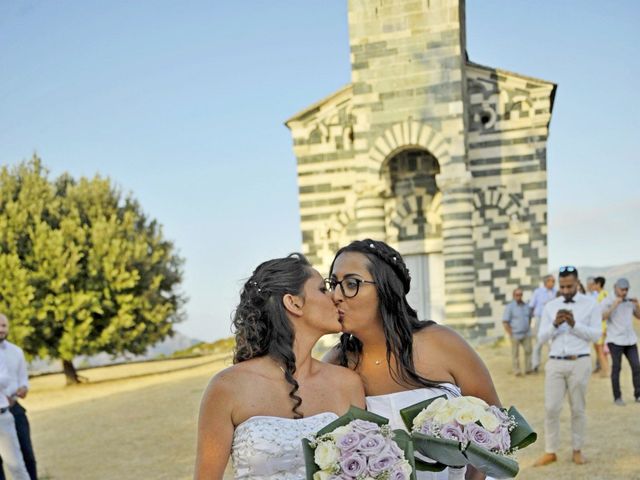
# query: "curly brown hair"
{"points": [[260, 322]]}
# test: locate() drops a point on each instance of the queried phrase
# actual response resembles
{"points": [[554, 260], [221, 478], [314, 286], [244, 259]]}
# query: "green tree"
{"points": [[82, 269]]}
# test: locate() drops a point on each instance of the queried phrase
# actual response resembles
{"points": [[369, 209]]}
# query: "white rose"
{"points": [[445, 415], [468, 414], [326, 455], [489, 421], [436, 405], [406, 467], [420, 419], [340, 432], [322, 475]]}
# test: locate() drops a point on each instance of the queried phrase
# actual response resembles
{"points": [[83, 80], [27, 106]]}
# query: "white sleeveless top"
{"points": [[270, 448], [390, 404]]}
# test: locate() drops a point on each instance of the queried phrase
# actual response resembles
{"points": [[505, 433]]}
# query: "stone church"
{"points": [[441, 157]]}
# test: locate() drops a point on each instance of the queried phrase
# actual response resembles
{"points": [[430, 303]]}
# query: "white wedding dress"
{"points": [[270, 448], [389, 406]]}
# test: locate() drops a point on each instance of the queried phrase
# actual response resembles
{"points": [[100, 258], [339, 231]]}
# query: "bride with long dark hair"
{"points": [[257, 411], [402, 360]]}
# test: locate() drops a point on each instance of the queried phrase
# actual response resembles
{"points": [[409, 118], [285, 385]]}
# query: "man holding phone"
{"points": [[571, 323], [618, 310]]}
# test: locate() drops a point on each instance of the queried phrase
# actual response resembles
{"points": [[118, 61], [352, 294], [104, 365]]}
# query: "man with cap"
{"points": [[618, 310], [571, 323]]}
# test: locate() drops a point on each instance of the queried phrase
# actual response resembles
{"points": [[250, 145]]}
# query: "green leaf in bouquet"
{"points": [[309, 460], [441, 450], [403, 440], [411, 412], [352, 414], [492, 464], [523, 435]]}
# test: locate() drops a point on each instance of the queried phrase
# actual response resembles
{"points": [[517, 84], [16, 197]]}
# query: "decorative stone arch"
{"points": [[506, 204], [406, 135], [397, 217], [501, 233]]}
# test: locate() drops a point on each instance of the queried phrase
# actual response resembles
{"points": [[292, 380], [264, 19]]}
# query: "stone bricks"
{"points": [[442, 158]]}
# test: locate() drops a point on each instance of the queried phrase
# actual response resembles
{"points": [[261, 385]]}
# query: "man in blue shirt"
{"points": [[517, 325]]}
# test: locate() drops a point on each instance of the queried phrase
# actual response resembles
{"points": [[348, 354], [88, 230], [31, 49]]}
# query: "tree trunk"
{"points": [[70, 372]]}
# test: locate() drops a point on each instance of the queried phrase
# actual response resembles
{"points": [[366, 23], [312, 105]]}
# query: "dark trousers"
{"points": [[631, 352], [24, 437]]}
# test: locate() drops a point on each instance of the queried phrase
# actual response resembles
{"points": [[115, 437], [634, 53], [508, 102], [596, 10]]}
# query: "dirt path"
{"points": [[144, 427]]}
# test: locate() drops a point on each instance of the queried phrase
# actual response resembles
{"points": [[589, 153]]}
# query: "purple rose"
{"points": [[481, 437], [503, 439], [353, 465], [429, 428], [500, 413], [381, 462], [349, 442], [394, 449], [371, 444], [399, 473], [364, 426], [452, 431]]}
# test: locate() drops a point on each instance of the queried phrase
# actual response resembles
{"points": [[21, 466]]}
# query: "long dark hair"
{"points": [[260, 322], [399, 320]]}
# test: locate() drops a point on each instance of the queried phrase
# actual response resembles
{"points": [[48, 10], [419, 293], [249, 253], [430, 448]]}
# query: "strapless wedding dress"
{"points": [[270, 448], [389, 406]]}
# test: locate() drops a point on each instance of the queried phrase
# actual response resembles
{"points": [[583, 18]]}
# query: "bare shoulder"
{"points": [[439, 338], [229, 384], [344, 382], [223, 384]]}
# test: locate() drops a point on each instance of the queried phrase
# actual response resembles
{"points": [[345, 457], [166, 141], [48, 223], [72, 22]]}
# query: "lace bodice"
{"points": [[389, 406], [270, 448]]}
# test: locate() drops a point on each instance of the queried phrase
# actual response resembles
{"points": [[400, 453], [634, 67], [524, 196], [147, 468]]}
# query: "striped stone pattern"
{"points": [[509, 117], [482, 205]]}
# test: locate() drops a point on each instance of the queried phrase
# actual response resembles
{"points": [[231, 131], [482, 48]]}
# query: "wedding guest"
{"points": [[258, 410], [541, 296], [400, 359], [571, 322], [618, 310], [517, 324], [17, 389]]}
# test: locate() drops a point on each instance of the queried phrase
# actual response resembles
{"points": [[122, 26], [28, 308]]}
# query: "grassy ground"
{"points": [[138, 422]]}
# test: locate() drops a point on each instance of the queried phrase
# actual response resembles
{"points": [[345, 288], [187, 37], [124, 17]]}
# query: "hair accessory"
{"points": [[394, 258], [372, 245], [255, 284]]}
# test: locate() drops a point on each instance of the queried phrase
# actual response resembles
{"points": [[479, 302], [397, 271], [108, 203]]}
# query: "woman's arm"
{"points": [[215, 429]]}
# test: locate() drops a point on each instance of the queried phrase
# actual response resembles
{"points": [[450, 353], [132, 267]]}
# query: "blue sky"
{"points": [[183, 104]]}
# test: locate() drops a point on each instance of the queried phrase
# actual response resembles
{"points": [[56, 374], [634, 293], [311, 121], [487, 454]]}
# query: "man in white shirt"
{"points": [[571, 322], [618, 310], [17, 386]]}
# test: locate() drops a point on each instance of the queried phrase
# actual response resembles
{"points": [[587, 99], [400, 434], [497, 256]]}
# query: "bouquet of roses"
{"points": [[466, 430], [359, 445]]}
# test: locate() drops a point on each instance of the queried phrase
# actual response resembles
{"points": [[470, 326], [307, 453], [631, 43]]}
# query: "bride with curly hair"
{"points": [[257, 411]]}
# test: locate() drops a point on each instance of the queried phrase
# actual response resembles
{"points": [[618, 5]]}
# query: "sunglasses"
{"points": [[568, 270]]}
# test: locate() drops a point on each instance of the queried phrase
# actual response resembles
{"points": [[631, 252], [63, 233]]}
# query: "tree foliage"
{"points": [[82, 269]]}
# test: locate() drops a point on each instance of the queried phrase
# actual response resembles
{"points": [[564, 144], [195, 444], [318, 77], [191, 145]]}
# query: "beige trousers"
{"points": [[565, 377], [515, 354]]}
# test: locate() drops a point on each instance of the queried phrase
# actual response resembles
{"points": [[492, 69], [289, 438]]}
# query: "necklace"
{"points": [[378, 362]]}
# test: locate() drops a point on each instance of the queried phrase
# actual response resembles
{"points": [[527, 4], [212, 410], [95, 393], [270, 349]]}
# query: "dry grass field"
{"points": [[138, 422]]}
